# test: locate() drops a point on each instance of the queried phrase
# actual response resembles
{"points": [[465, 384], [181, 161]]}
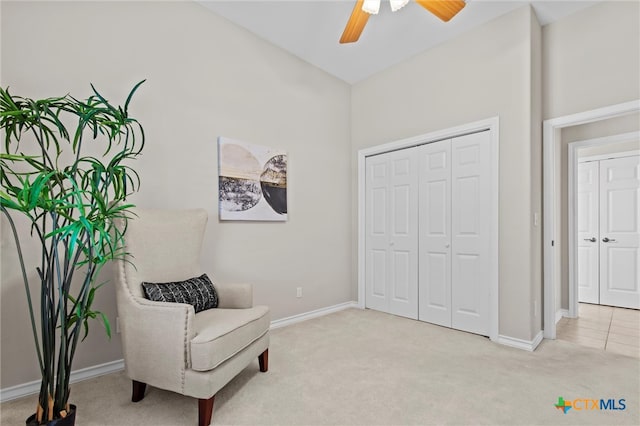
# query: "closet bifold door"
{"points": [[454, 243], [470, 227], [391, 239], [435, 233]]}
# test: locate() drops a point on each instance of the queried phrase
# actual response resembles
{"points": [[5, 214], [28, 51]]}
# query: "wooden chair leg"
{"points": [[263, 360], [138, 391], [205, 411]]}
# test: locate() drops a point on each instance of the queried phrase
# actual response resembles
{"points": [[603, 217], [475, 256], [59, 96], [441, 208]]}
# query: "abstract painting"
{"points": [[252, 182]]}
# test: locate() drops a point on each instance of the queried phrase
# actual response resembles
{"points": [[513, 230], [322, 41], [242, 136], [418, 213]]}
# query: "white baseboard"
{"points": [[527, 345], [312, 314], [561, 313], [32, 388]]}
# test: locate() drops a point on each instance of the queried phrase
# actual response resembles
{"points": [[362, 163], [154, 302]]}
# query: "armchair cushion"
{"points": [[222, 333], [197, 291]]}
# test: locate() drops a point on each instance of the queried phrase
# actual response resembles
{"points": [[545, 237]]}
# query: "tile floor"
{"points": [[604, 327]]}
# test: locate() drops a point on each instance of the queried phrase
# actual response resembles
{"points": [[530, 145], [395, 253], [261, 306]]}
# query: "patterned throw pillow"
{"points": [[198, 291]]}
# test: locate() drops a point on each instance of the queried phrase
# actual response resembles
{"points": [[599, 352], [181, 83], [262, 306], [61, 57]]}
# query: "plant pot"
{"points": [[70, 420]]}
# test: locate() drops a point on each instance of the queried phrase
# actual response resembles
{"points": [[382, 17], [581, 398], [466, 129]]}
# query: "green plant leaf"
{"points": [[135, 88], [105, 322]]}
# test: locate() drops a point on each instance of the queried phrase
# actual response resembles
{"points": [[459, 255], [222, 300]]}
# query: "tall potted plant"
{"points": [[69, 199]]}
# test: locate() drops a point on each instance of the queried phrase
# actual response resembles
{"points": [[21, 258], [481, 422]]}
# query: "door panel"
{"points": [[466, 297], [588, 204], [620, 232], [376, 244], [437, 294], [435, 233], [400, 205], [470, 239], [402, 279], [379, 217], [622, 269], [403, 239], [391, 233], [469, 199], [378, 264]]}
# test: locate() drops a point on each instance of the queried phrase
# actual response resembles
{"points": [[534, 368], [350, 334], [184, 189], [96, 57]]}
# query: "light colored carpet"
{"points": [[368, 368]]}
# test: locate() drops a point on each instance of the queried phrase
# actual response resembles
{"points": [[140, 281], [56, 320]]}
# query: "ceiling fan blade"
{"points": [[443, 9], [356, 24]]}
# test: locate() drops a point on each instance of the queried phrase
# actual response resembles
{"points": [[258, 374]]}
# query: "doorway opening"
{"points": [[551, 214], [587, 160]]}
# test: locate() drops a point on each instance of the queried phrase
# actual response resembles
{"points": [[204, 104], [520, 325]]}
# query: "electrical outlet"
{"points": [[299, 292]]}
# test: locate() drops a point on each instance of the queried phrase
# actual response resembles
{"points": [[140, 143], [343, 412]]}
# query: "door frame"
{"points": [[572, 201], [493, 126], [551, 135]]}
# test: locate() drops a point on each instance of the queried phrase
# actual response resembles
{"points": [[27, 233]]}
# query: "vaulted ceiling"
{"points": [[310, 29]]}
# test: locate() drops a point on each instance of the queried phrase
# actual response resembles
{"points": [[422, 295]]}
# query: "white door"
{"points": [[470, 227], [588, 209], [455, 221], [435, 233], [620, 232], [391, 276]]}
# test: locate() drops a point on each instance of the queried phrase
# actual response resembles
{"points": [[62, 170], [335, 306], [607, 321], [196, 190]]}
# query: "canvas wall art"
{"points": [[252, 181]]}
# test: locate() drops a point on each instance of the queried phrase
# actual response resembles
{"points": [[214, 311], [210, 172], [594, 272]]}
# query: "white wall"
{"points": [[590, 59], [612, 148], [205, 77], [489, 71], [602, 128]]}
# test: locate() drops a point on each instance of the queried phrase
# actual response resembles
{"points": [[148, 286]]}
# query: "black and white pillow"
{"points": [[197, 291]]}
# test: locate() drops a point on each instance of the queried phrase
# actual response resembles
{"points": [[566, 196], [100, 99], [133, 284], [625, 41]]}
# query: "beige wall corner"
{"points": [[535, 219]]}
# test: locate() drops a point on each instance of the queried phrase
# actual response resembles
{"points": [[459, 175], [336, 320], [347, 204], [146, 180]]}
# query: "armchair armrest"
{"points": [[156, 338], [234, 296]]}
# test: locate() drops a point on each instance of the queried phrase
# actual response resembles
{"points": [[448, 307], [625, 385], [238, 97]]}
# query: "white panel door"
{"points": [[391, 276], [620, 232], [435, 233], [470, 227], [588, 210], [377, 232]]}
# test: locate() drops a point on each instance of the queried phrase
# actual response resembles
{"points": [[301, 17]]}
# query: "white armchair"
{"points": [[168, 345]]}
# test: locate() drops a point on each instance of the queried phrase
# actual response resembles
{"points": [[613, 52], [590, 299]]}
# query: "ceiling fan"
{"points": [[443, 9]]}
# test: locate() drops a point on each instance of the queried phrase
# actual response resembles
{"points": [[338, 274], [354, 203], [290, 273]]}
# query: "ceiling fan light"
{"points": [[371, 6], [398, 4]]}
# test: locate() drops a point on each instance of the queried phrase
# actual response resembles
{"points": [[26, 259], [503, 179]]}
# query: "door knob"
{"points": [[607, 240], [592, 239]]}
